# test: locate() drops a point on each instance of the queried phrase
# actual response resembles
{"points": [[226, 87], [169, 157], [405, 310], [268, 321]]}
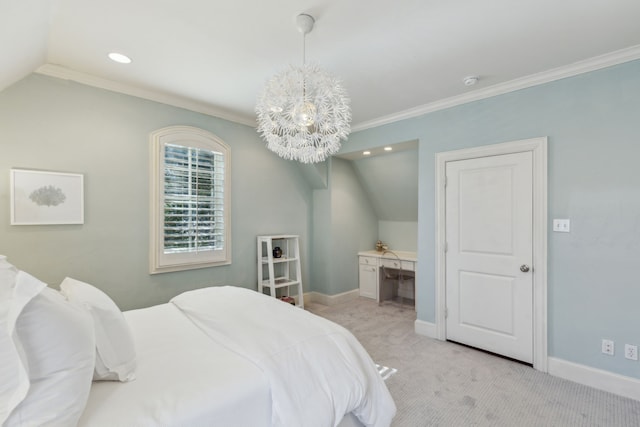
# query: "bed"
{"points": [[220, 356]]}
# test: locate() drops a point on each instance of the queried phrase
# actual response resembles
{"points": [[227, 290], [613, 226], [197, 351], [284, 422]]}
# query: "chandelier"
{"points": [[303, 112]]}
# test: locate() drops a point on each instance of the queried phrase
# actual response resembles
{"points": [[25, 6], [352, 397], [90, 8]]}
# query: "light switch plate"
{"points": [[562, 225]]}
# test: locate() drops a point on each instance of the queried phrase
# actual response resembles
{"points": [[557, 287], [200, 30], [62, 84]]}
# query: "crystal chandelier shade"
{"points": [[304, 113]]}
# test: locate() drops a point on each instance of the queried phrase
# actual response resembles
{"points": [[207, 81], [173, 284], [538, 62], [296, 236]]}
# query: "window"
{"points": [[189, 200]]}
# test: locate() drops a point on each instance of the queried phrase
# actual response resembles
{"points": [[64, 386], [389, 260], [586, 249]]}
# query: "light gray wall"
{"points": [[592, 122], [353, 223], [321, 241], [47, 123], [399, 235], [344, 223]]}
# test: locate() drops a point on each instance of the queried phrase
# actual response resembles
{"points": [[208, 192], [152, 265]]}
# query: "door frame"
{"points": [[538, 147]]}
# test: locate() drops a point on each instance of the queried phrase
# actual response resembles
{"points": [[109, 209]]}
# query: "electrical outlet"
{"points": [[631, 351], [607, 347], [562, 225]]}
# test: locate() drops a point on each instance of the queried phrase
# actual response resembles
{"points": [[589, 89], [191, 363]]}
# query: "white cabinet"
{"points": [[397, 264], [279, 267], [368, 280], [370, 270]]}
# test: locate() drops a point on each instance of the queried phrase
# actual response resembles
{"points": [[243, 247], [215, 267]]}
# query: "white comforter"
{"points": [[317, 370], [183, 379]]}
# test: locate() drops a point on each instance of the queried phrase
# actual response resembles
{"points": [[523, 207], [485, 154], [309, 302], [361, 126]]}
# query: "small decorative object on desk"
{"points": [[290, 300], [381, 246], [277, 252]]}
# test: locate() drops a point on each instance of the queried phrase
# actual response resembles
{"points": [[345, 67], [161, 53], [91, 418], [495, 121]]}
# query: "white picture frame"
{"points": [[44, 198]]}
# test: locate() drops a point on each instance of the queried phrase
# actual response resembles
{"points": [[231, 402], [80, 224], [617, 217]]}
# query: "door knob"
{"points": [[524, 268]]}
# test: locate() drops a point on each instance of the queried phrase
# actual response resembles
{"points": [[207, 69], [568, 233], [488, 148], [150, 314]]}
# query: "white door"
{"points": [[489, 223]]}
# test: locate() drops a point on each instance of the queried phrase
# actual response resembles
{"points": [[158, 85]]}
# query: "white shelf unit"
{"points": [[279, 275]]}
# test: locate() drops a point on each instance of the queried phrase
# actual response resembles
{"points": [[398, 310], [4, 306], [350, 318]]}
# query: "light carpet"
{"points": [[445, 384]]}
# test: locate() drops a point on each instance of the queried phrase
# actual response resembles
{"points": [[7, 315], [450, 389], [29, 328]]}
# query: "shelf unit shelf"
{"points": [[279, 260], [277, 275], [280, 283]]}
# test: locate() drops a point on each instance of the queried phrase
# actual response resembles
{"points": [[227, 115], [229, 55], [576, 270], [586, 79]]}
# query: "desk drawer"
{"points": [[369, 260], [394, 263]]}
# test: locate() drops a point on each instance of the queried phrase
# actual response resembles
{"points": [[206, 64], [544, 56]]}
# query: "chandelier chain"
{"points": [[304, 49], [304, 62]]}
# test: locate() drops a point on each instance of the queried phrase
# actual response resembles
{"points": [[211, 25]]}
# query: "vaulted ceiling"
{"points": [[396, 58]]}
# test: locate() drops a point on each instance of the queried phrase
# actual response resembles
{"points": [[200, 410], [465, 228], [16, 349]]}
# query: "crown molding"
{"points": [[152, 95], [580, 67]]}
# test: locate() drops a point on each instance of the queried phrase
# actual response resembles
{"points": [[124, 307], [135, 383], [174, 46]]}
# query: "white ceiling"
{"points": [[396, 57]]}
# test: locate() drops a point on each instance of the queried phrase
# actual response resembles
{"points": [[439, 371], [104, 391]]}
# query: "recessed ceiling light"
{"points": [[388, 148], [118, 57], [366, 153]]}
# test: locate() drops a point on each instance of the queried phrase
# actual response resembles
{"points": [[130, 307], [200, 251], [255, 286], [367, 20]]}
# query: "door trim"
{"points": [[538, 147]]}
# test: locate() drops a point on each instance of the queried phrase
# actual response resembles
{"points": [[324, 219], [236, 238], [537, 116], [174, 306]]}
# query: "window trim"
{"points": [[187, 136]]}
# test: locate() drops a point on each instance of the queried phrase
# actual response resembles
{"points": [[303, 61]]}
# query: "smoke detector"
{"points": [[470, 80]]}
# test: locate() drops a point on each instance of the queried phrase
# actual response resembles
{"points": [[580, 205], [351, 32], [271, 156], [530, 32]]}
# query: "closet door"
{"points": [[489, 224]]}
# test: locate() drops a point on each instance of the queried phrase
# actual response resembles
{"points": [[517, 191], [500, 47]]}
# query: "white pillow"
{"points": [[116, 355], [56, 345], [14, 378]]}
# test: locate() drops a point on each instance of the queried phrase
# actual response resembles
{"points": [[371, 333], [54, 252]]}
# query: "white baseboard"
{"points": [[581, 374], [331, 299], [427, 329], [596, 378]]}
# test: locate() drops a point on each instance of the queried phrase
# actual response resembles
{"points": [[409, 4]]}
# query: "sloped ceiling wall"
{"points": [[24, 30], [391, 183]]}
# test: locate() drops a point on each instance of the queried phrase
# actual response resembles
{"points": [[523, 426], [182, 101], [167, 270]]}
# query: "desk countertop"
{"points": [[403, 255]]}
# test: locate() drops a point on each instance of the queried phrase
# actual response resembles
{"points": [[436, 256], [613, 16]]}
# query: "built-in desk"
{"points": [[370, 271]]}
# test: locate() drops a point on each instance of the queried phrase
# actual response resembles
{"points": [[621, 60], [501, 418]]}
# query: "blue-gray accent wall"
{"points": [[592, 122]]}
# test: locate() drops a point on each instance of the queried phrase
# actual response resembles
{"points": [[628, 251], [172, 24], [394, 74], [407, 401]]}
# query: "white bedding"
{"points": [[228, 356], [317, 370], [183, 379]]}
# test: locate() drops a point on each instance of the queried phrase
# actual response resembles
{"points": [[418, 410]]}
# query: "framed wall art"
{"points": [[41, 197]]}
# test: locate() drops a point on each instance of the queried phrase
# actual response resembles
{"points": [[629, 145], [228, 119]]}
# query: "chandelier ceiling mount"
{"points": [[305, 23]]}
